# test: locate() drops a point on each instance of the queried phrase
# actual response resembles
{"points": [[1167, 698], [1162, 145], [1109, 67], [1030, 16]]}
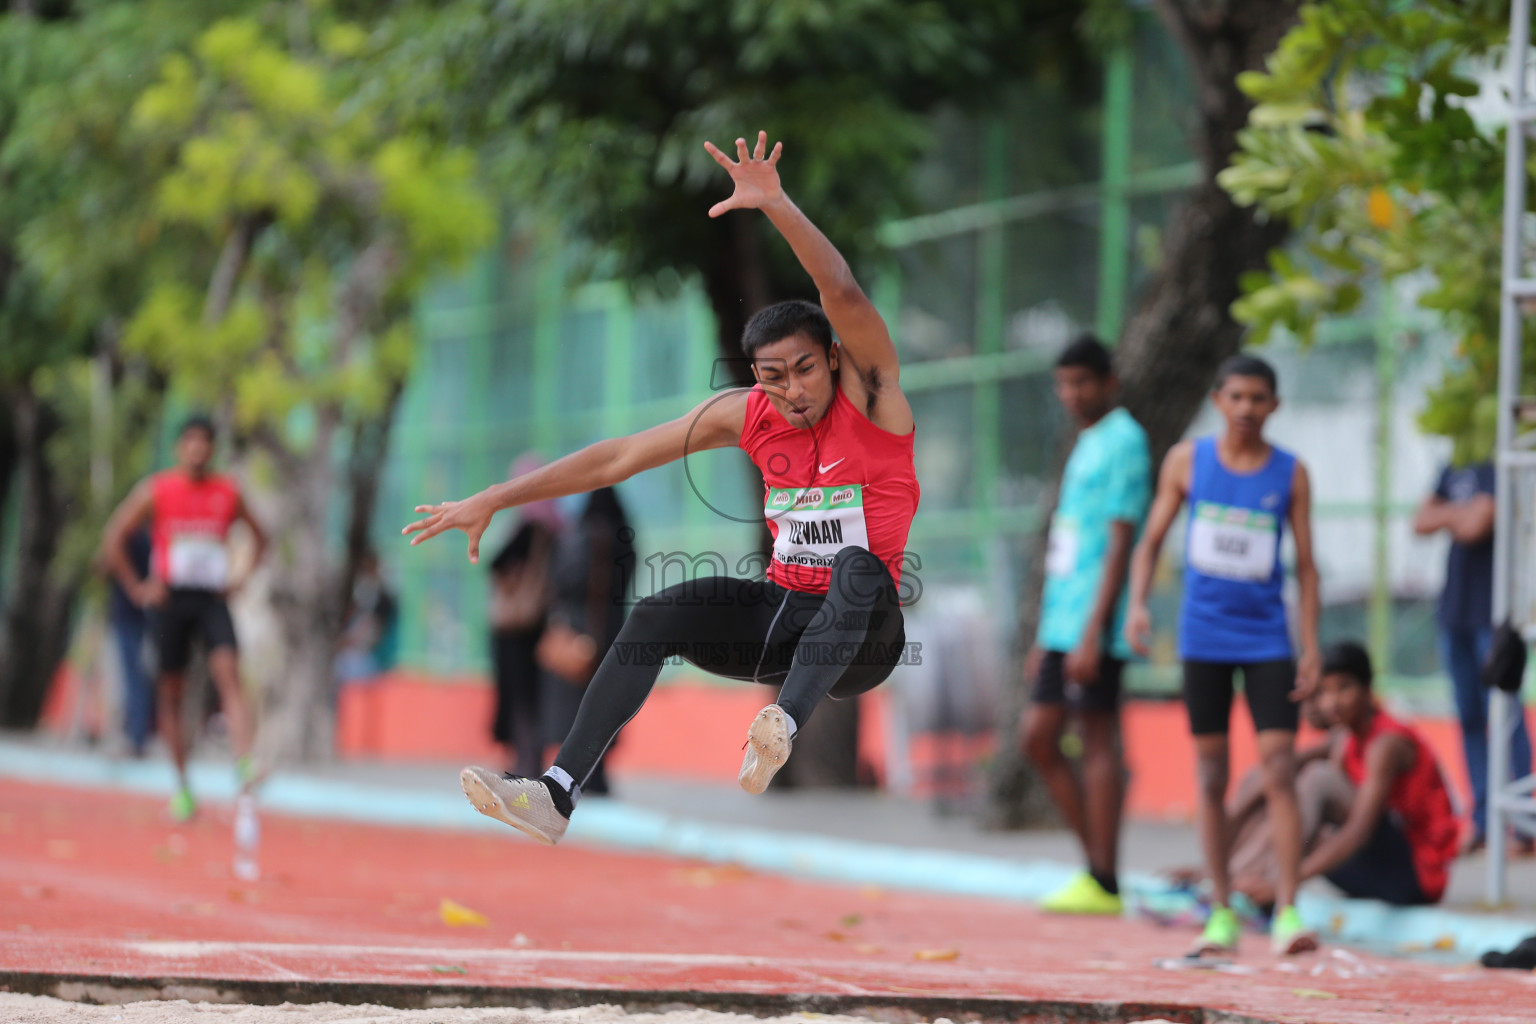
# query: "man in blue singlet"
{"points": [[1241, 492]]}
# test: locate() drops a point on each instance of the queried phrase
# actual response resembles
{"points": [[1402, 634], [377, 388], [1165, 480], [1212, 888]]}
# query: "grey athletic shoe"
{"points": [[767, 749], [524, 804]]}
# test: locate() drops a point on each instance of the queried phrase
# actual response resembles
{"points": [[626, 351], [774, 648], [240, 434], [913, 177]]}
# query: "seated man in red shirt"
{"points": [[1401, 834]]}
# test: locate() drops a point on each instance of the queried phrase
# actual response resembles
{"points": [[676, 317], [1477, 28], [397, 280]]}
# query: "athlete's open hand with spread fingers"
{"points": [[756, 177], [868, 369], [472, 515]]}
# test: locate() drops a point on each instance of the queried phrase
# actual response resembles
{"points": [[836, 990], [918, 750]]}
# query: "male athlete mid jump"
{"points": [[831, 432]]}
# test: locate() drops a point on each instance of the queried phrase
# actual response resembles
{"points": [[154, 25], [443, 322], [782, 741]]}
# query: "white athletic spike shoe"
{"points": [[525, 804], [767, 749]]}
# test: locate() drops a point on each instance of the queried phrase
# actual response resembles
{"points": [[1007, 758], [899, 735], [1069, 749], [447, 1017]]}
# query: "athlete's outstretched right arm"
{"points": [[715, 423], [1172, 486]]}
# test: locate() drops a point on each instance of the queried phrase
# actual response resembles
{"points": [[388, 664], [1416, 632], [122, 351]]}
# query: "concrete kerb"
{"points": [[895, 1009]]}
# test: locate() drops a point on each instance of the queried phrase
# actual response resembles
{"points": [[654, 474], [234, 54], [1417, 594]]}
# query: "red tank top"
{"points": [[190, 524], [844, 481], [1420, 798]]}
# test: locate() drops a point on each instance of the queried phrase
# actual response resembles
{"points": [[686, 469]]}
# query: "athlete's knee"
{"points": [[858, 574], [1280, 770], [1214, 776], [1042, 742]]}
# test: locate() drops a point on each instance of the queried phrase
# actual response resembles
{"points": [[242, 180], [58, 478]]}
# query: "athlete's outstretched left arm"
{"points": [[1308, 668], [866, 342]]}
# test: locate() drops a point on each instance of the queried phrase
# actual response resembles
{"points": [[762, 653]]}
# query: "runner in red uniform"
{"points": [[1401, 835], [830, 430], [189, 510]]}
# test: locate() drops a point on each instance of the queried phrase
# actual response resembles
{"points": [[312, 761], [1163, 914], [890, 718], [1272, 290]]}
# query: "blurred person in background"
{"points": [[593, 565], [130, 626], [1400, 836], [367, 646], [1081, 650], [189, 510], [1242, 492], [1462, 506], [519, 609]]}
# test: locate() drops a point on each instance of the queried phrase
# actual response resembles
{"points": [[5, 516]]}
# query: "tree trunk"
{"points": [[365, 467], [1016, 797], [35, 632], [298, 717], [311, 589], [8, 472], [1182, 326], [737, 283]]}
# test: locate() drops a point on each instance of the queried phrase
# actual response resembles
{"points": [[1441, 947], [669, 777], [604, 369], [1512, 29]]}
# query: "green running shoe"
{"points": [[1222, 930], [1288, 936], [182, 806], [1083, 895]]}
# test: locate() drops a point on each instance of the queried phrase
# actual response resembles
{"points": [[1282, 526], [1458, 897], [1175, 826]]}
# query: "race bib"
{"points": [[1233, 543], [815, 523], [197, 563], [1061, 548]]}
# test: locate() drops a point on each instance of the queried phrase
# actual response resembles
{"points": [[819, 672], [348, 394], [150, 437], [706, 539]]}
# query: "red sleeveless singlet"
{"points": [[190, 523], [1420, 798], [843, 482]]}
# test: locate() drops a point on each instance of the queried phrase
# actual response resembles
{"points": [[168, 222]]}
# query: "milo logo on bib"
{"points": [[814, 523], [1233, 543]]}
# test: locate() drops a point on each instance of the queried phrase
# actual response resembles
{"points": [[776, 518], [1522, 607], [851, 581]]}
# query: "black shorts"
{"points": [[1383, 868], [1052, 687], [187, 614], [1267, 687]]}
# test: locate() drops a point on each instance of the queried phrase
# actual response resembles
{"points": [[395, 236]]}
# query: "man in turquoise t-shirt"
{"points": [[1081, 649]]}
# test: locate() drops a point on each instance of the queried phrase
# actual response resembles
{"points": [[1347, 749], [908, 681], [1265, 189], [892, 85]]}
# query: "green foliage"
{"points": [[597, 109], [1362, 139], [345, 210], [71, 186]]}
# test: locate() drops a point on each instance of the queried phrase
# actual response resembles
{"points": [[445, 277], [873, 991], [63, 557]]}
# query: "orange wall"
{"points": [[694, 731]]}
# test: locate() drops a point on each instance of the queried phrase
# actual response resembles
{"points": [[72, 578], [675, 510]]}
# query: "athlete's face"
{"points": [[194, 450], [1245, 402], [799, 377], [1312, 711], [1342, 699], [1083, 393]]}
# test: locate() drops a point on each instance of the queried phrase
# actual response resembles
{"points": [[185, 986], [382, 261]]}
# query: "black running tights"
{"points": [[839, 644]]}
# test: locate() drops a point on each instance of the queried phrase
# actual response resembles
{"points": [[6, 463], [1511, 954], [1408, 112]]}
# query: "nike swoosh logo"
{"points": [[823, 469]]}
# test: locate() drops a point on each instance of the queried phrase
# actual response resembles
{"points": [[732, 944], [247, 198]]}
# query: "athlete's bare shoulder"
{"points": [[1178, 464], [717, 422]]}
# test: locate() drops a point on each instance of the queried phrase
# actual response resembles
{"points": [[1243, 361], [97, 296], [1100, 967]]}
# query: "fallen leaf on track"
{"points": [[458, 915]]}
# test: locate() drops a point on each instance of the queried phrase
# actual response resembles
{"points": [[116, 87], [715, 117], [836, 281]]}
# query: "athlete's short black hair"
{"points": [[784, 319], [1244, 365], [1090, 353], [1350, 659], [199, 421]]}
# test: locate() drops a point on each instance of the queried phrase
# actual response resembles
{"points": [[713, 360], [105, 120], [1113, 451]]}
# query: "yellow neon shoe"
{"points": [[1288, 936], [1222, 930], [1083, 895]]}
